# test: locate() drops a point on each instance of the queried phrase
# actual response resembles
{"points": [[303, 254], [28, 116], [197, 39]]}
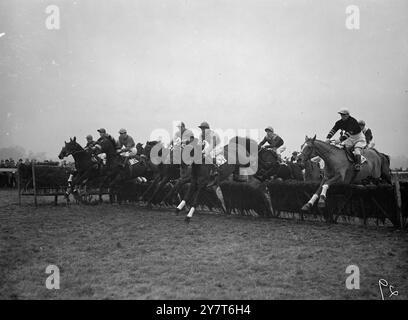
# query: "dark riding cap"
{"points": [[204, 125], [101, 130]]}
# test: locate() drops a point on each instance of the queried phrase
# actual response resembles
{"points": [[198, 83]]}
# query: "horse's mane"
{"points": [[76, 144]]}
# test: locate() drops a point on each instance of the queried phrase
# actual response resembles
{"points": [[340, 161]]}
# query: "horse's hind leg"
{"points": [[193, 204], [308, 206], [186, 198]]}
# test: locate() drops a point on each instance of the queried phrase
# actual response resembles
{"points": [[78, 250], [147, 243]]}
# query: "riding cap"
{"points": [[269, 129], [101, 130], [361, 122], [122, 131], [204, 125], [344, 112], [89, 137]]}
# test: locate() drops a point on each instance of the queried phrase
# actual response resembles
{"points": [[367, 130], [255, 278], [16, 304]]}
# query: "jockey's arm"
{"points": [[262, 142], [332, 133], [279, 142]]}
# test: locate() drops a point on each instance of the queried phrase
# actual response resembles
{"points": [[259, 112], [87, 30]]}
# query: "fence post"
{"points": [[19, 184], [34, 185], [397, 192]]}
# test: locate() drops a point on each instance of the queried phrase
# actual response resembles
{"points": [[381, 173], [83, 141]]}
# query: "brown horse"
{"points": [[242, 159], [339, 169]]}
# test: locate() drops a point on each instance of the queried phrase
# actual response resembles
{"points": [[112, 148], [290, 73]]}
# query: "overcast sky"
{"points": [[236, 64]]}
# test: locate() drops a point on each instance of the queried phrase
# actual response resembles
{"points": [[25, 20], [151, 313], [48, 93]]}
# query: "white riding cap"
{"points": [[344, 111]]}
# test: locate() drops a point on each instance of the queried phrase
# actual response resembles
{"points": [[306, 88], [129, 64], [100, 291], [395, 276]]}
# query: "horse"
{"points": [[339, 169], [237, 153], [163, 172], [270, 166], [85, 168], [116, 172]]}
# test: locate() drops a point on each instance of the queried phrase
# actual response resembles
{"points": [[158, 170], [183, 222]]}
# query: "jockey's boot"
{"points": [[357, 162]]}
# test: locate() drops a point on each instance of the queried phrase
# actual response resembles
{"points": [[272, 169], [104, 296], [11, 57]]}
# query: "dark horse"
{"points": [[86, 168], [116, 172], [168, 168], [241, 155], [271, 167]]}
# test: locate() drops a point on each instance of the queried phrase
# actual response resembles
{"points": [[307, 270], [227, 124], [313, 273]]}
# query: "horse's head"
{"points": [[69, 148], [308, 149]]}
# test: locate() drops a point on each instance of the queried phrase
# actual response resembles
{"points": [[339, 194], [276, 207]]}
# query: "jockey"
{"points": [[89, 143], [209, 139], [354, 137], [273, 140], [295, 157], [183, 136], [126, 146], [368, 134], [103, 136]]}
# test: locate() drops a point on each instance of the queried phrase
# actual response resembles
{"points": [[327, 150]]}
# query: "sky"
{"points": [[237, 64]]}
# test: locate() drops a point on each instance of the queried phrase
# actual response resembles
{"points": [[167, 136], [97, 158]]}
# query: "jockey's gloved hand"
{"points": [[327, 140]]}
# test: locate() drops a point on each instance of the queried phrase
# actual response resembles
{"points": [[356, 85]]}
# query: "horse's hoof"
{"points": [[322, 202], [177, 211], [307, 207], [187, 219]]}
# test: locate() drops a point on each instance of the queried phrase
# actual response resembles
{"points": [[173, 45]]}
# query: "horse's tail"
{"points": [[385, 166]]}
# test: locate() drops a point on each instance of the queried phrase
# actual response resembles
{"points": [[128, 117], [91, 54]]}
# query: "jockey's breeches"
{"points": [[357, 141]]}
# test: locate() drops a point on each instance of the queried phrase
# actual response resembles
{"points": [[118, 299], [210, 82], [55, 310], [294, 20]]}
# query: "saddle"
{"points": [[351, 157], [349, 154]]}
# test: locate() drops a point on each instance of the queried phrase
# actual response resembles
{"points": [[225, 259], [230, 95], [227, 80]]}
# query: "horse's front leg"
{"points": [[194, 202], [151, 187], [325, 186], [189, 194], [308, 206]]}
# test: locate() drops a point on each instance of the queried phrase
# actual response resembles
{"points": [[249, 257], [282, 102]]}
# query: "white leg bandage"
{"points": [[313, 199], [70, 177], [220, 196], [190, 213], [181, 205], [324, 189]]}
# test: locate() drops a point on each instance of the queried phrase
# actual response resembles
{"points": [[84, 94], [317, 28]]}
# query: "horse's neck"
{"points": [[327, 152], [80, 157]]}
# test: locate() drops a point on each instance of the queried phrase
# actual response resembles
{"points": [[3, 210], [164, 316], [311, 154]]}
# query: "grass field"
{"points": [[128, 252]]}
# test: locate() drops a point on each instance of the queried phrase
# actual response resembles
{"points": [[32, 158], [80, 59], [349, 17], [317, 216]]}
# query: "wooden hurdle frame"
{"points": [[35, 192], [51, 192]]}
